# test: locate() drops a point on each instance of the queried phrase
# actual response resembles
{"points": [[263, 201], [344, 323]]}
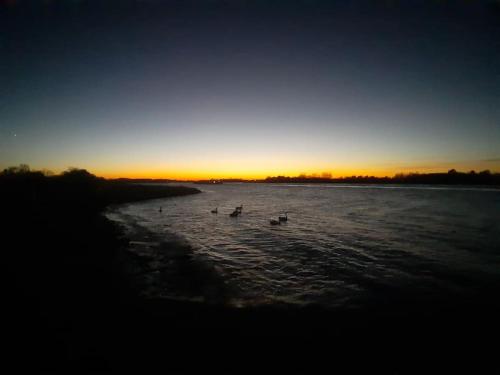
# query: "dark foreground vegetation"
{"points": [[452, 177], [70, 308]]}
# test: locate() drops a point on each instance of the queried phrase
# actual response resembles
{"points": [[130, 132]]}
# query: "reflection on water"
{"points": [[341, 243]]}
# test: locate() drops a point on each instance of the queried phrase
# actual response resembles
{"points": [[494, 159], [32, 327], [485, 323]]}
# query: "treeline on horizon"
{"points": [[101, 184], [74, 189], [452, 177]]}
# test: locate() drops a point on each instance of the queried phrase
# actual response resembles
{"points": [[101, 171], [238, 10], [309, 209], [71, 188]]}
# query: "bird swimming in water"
{"points": [[214, 211], [160, 210]]}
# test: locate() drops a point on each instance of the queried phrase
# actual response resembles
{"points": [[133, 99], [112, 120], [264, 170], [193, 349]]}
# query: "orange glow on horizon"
{"points": [[231, 172], [251, 170], [193, 174]]}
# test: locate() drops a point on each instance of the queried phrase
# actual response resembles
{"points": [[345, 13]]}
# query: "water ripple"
{"points": [[340, 242]]}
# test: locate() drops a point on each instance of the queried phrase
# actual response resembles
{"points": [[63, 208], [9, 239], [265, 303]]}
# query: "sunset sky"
{"points": [[228, 89]]}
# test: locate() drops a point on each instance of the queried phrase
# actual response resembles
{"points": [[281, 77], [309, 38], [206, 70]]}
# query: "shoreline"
{"points": [[165, 266]]}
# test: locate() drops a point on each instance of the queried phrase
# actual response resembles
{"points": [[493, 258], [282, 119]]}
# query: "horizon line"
{"points": [[207, 177]]}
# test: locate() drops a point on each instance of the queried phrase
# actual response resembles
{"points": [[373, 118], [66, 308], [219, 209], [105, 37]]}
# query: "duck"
{"points": [[214, 211], [283, 217], [234, 213], [274, 222]]}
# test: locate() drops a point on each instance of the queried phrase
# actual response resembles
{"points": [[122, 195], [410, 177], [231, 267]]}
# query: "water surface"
{"points": [[342, 245]]}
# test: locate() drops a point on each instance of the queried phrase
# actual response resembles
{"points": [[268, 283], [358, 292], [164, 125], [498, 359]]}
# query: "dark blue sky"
{"points": [[237, 88]]}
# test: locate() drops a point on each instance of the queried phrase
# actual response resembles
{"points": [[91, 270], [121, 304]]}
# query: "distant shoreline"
{"points": [[360, 184], [452, 177]]}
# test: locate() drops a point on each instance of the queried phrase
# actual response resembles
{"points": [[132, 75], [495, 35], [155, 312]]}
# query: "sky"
{"points": [[249, 89]]}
